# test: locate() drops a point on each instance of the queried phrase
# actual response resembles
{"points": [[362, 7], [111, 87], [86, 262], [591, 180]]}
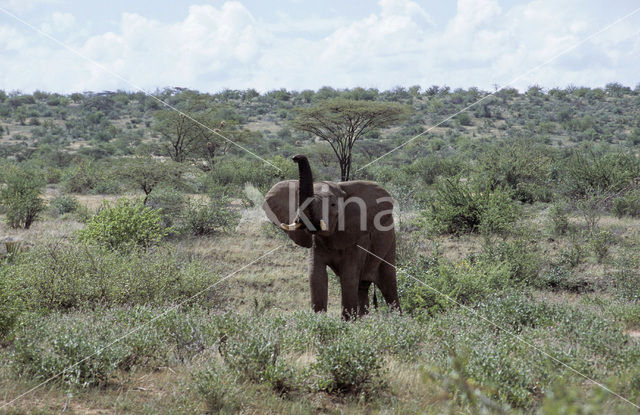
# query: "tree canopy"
{"points": [[341, 122]]}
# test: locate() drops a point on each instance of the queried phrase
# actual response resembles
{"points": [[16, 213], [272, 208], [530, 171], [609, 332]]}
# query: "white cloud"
{"points": [[399, 44], [208, 45], [59, 23]]}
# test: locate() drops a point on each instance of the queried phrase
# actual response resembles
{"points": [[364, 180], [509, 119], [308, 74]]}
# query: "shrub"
{"points": [[124, 224], [317, 329], [87, 348], [520, 166], [459, 207], [518, 256], [81, 178], [573, 254], [584, 338], [464, 119], [431, 285], [350, 365], [9, 310], [218, 388], [591, 208], [599, 243], [170, 203], [627, 205], [45, 348], [430, 168], [587, 172], [558, 216], [561, 278], [87, 177], [252, 354], [21, 198], [514, 310], [208, 218], [63, 204], [60, 277], [627, 278], [235, 172], [389, 332], [257, 357]]}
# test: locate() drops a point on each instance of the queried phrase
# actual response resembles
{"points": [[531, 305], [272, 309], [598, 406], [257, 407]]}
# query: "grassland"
{"points": [[430, 362], [518, 227]]}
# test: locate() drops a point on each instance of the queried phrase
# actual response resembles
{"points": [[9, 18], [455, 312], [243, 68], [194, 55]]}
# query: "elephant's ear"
{"points": [[281, 205]]}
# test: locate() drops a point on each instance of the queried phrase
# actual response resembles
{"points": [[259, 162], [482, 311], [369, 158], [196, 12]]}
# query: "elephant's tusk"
{"points": [[291, 227], [323, 226]]}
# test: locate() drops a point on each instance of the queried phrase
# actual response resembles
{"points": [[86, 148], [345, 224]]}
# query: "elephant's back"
{"points": [[365, 189]]}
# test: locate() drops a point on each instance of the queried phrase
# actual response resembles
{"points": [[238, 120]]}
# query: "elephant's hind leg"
{"points": [[387, 281], [363, 297]]}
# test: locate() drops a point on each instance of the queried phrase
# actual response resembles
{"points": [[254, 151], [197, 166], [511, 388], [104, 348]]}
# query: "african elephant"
{"points": [[349, 228]]}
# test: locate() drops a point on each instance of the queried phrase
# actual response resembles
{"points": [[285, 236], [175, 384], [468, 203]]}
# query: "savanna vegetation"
{"points": [[132, 275]]}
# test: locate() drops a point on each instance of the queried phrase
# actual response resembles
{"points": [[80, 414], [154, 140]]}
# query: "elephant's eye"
{"points": [[333, 204]]}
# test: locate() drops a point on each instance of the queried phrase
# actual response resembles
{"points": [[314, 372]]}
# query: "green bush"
{"points": [[20, 198], [627, 205], [521, 166], [210, 217], [88, 348], [627, 278], [388, 332], [61, 276], [124, 224], [256, 356], [217, 386], [572, 255], [430, 168], [460, 207], [170, 203], [561, 278], [599, 243], [586, 172], [350, 365], [559, 219], [81, 178], [79, 348], [88, 177], [519, 256], [63, 204], [315, 329], [235, 172], [584, 338], [9, 310], [431, 285], [514, 311], [45, 348]]}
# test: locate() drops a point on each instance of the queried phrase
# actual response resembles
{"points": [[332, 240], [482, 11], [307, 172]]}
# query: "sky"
{"points": [[297, 44]]}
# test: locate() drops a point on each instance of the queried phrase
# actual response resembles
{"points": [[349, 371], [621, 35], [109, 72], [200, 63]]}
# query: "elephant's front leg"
{"points": [[349, 283], [318, 281]]}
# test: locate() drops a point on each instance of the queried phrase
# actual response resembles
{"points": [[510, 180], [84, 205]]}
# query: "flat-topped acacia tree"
{"points": [[341, 122]]}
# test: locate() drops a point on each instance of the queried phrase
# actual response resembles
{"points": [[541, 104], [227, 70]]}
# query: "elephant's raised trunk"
{"points": [[305, 188]]}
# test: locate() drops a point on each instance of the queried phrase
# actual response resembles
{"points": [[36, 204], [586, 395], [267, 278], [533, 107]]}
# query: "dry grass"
{"points": [[139, 393], [262, 125]]}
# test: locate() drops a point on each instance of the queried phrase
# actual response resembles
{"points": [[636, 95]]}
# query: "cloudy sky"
{"points": [[299, 44]]}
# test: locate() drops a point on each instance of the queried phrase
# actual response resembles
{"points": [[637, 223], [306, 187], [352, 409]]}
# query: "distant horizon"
{"points": [[407, 87]]}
